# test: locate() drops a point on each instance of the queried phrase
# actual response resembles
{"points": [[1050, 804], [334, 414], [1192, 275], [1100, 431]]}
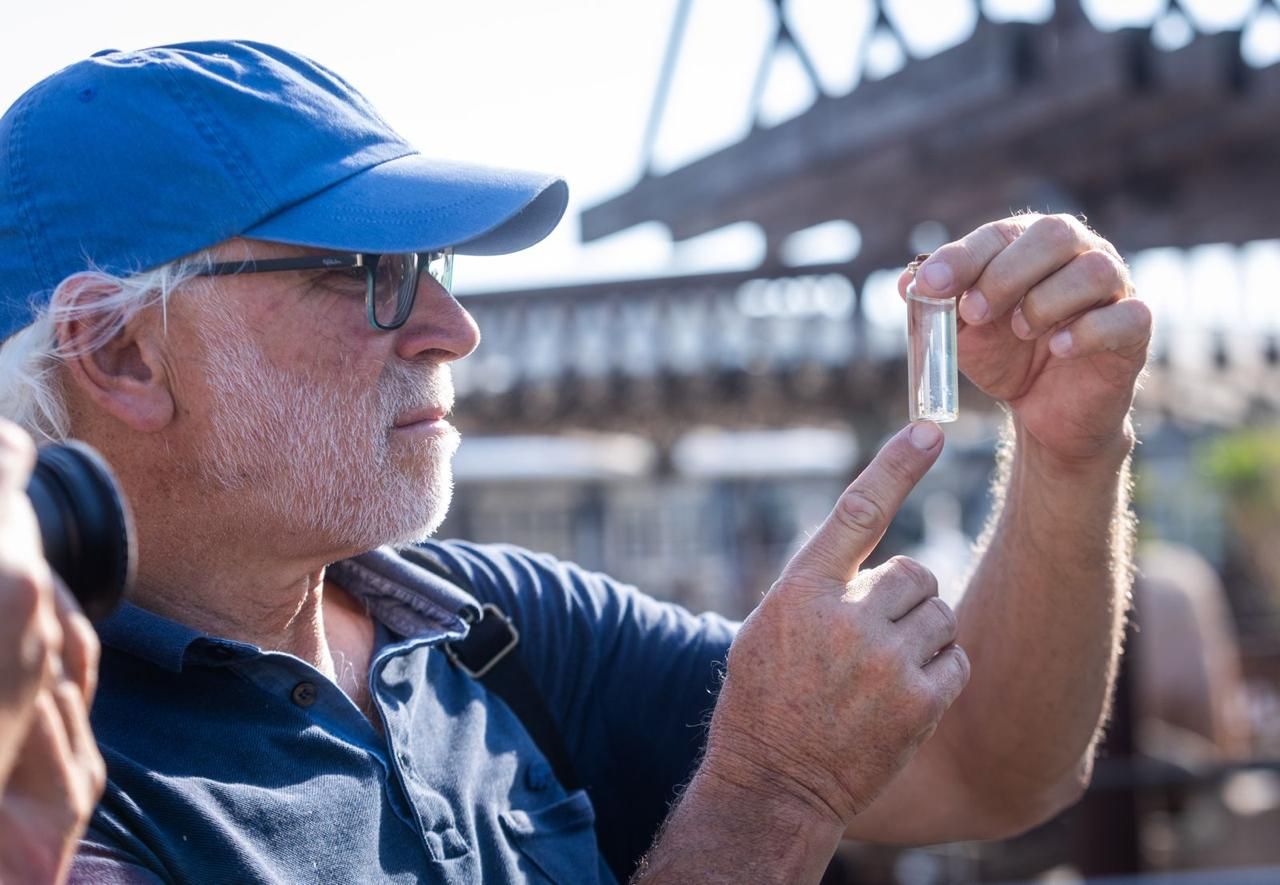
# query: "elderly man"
{"points": [[226, 272]]}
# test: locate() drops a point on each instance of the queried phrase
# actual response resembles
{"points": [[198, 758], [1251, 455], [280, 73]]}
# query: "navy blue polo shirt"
{"points": [[228, 763]]}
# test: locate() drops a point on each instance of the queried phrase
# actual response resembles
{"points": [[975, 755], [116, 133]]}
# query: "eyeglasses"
{"points": [[390, 281]]}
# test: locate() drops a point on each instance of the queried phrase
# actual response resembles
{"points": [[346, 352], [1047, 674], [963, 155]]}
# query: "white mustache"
{"points": [[403, 388]]}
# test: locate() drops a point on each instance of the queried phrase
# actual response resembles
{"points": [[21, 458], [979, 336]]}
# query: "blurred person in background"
{"points": [[1190, 698], [51, 773], [225, 271]]}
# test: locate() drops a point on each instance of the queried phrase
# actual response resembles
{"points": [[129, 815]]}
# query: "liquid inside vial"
{"points": [[932, 363]]}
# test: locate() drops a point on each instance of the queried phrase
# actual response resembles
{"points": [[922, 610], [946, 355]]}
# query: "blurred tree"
{"points": [[1245, 467]]}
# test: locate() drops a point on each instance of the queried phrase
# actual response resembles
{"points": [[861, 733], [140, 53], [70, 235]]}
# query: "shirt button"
{"points": [[304, 694], [538, 776]]}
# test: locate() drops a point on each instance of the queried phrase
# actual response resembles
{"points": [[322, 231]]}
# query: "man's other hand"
{"points": [[1049, 324], [51, 773], [840, 674]]}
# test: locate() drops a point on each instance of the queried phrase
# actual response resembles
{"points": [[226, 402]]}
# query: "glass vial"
{"points": [[932, 374]]}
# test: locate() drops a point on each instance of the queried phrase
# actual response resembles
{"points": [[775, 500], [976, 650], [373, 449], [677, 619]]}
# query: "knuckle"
{"points": [[15, 444], [946, 615], [1141, 314], [925, 701], [861, 512], [23, 597], [27, 593], [1035, 313], [1055, 231], [950, 676], [1100, 270], [1006, 230], [913, 571], [1059, 230]]}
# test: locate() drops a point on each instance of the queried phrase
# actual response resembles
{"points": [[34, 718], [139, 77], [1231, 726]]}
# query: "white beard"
{"points": [[314, 464]]}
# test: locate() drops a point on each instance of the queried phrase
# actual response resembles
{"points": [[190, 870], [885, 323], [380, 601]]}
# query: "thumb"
{"points": [[868, 505]]}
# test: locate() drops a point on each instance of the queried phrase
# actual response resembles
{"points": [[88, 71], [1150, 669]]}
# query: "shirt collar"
{"points": [[407, 597], [147, 635]]}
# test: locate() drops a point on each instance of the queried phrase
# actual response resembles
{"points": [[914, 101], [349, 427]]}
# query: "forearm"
{"points": [[1042, 621], [722, 832]]}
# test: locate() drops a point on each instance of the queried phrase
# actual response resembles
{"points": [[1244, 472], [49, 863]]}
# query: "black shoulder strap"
{"points": [[485, 654]]}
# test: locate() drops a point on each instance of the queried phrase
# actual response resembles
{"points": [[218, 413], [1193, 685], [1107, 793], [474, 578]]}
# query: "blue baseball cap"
{"points": [[128, 160]]}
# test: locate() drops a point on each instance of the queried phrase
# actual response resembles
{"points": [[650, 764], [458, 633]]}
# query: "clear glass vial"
{"points": [[932, 373]]}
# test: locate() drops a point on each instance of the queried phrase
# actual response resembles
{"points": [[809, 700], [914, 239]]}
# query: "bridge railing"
{"points": [[761, 348]]}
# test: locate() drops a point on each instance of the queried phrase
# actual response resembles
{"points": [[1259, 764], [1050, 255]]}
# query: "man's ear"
{"points": [[120, 369]]}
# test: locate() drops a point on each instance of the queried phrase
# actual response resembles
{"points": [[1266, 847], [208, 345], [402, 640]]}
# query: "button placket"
{"points": [[437, 820]]}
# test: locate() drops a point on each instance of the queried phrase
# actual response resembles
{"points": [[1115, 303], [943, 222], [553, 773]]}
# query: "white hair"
{"points": [[29, 393]]}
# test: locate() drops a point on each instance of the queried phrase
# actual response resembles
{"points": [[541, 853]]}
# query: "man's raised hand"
{"points": [[841, 673], [1050, 324]]}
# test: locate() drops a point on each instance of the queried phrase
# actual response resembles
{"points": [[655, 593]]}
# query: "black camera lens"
{"points": [[84, 525]]}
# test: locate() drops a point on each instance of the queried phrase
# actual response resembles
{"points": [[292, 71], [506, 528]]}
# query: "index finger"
{"points": [[79, 642], [865, 509], [952, 269]]}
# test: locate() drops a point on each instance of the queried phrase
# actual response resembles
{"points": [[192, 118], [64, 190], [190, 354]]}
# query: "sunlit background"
{"points": [[680, 413]]}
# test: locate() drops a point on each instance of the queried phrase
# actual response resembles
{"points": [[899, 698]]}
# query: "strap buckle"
{"points": [[489, 640]]}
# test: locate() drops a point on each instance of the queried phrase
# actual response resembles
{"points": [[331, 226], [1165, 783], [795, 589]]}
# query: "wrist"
{"points": [[769, 800], [1102, 459], [725, 829], [1049, 498]]}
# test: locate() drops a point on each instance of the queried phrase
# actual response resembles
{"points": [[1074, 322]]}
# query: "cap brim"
{"points": [[416, 204]]}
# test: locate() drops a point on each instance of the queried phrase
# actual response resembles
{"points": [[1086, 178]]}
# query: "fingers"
{"points": [[1123, 328], [80, 648], [956, 267], [1049, 243], [60, 769], [85, 769], [56, 784], [1038, 270], [866, 507], [949, 673], [929, 628], [46, 753], [898, 586], [1091, 279]]}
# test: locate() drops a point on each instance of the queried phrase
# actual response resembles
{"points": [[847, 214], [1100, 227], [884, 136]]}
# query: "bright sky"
{"points": [[563, 85]]}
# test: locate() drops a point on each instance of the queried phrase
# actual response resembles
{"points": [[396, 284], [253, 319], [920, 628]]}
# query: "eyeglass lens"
{"points": [[396, 283]]}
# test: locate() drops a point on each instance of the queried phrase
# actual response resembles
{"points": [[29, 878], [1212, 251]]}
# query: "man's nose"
{"points": [[439, 328]]}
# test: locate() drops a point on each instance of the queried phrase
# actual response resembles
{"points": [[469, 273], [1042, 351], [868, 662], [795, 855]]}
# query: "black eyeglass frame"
{"points": [[368, 261]]}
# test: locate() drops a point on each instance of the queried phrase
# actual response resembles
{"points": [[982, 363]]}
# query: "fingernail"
{"points": [[1060, 344], [924, 435], [937, 275], [973, 307], [1021, 327]]}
